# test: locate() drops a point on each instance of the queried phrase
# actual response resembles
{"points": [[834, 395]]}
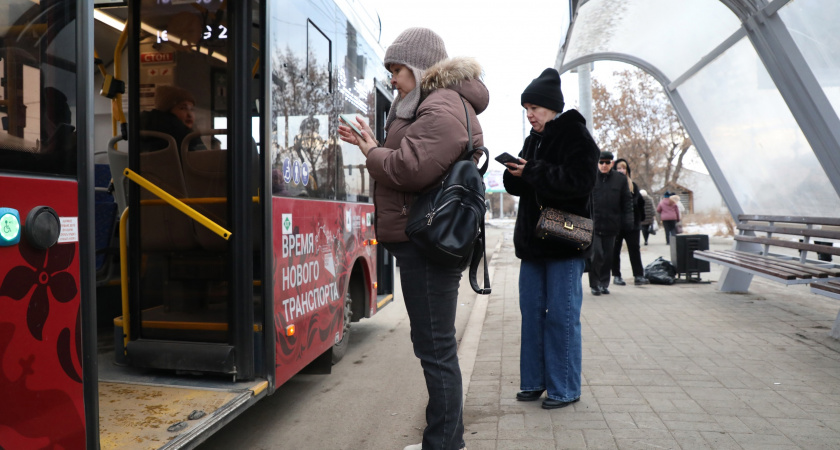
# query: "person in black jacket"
{"points": [[611, 212], [631, 235], [556, 168], [174, 115]]}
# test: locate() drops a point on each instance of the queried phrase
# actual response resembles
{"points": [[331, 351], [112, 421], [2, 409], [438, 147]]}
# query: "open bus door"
{"points": [[194, 303], [190, 329]]}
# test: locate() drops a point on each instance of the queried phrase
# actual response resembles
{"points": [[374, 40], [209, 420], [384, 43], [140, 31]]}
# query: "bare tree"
{"points": [[638, 123]]}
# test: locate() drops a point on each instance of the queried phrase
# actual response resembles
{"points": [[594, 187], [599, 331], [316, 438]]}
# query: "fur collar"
{"points": [[449, 72]]}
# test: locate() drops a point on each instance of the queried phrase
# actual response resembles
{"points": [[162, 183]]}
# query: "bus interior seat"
{"points": [[205, 175], [105, 211], [119, 162], [164, 227]]}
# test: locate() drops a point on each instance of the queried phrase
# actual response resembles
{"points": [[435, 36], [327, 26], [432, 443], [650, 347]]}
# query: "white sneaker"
{"points": [[414, 447]]}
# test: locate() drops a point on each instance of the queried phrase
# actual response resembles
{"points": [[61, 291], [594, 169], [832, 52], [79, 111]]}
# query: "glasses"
{"points": [[604, 162]]}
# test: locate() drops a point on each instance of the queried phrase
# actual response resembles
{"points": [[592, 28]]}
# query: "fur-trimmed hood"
{"points": [[461, 74]]}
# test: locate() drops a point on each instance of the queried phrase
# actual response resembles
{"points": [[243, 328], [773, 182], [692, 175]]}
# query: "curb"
{"points": [[468, 347]]}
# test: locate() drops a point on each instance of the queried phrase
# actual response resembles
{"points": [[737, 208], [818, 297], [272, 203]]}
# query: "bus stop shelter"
{"points": [[756, 83]]}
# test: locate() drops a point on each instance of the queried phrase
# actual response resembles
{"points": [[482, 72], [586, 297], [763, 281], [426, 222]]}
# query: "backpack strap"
{"points": [[476, 256], [470, 150], [476, 259]]}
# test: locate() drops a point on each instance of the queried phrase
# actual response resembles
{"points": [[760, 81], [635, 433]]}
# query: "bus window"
{"points": [[304, 147], [37, 135], [355, 84]]}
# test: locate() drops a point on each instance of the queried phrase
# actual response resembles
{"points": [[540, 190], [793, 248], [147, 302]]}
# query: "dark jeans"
{"points": [[632, 239], [431, 297], [550, 297], [646, 232], [601, 260], [670, 227]]}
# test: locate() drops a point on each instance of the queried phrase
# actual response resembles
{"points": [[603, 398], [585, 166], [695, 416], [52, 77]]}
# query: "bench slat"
{"points": [[761, 268], [788, 244], [792, 264], [770, 262], [825, 286], [834, 221], [828, 234]]}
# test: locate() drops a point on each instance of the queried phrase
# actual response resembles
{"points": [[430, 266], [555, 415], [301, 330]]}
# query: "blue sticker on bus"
{"points": [[287, 170], [305, 174], [296, 172]]}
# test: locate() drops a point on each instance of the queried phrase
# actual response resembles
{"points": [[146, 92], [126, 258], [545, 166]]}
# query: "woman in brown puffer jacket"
{"points": [[426, 134]]}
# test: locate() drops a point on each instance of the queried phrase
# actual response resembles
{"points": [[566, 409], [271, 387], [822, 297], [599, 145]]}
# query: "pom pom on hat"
{"points": [[167, 97], [418, 48], [545, 91]]}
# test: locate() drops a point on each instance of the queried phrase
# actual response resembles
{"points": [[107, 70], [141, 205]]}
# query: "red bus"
{"points": [[181, 230]]}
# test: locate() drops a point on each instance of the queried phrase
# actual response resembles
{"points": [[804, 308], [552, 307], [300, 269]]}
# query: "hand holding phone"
{"points": [[349, 120], [505, 158]]}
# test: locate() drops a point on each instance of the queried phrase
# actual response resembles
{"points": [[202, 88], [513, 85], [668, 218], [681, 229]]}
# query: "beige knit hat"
{"points": [[418, 48], [167, 97]]}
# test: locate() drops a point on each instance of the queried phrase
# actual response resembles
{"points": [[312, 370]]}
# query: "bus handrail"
{"points": [[177, 204]]}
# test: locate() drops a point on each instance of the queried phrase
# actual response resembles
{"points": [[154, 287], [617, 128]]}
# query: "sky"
{"points": [[513, 43]]}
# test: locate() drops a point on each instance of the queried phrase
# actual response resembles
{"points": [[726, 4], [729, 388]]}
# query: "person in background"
{"points": [[630, 235], [174, 115], [678, 228], [650, 216], [426, 133], [670, 214], [556, 168], [612, 212]]}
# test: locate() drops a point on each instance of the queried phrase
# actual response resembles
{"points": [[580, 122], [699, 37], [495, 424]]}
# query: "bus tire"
{"points": [[340, 348]]}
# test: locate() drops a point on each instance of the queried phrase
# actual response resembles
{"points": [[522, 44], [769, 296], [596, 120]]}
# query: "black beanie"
{"points": [[606, 154], [545, 91]]}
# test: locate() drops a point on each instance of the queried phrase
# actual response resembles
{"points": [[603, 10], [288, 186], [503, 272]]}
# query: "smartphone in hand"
{"points": [[505, 158], [349, 119]]}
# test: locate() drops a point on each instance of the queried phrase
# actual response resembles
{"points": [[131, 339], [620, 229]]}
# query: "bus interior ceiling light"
{"points": [[119, 25]]}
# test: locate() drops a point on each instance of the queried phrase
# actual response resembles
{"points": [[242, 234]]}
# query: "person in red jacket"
{"points": [[669, 212]]}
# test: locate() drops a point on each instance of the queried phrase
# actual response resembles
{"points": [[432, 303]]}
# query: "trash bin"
{"points": [[682, 254]]}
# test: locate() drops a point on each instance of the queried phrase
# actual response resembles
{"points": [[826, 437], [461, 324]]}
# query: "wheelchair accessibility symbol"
{"points": [[287, 170]]}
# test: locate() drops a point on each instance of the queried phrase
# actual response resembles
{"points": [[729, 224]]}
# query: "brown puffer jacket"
{"points": [[417, 154]]}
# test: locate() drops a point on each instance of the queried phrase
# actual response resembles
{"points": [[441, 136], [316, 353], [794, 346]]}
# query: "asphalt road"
{"points": [[374, 398]]}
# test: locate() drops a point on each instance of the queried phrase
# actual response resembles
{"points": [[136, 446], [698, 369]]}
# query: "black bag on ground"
{"points": [[447, 222], [661, 271]]}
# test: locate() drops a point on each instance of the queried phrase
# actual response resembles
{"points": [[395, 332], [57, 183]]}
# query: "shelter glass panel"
{"points": [[671, 39], [753, 136], [813, 25]]}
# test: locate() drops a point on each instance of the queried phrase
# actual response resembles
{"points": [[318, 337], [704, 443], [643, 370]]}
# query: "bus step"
{"points": [[182, 356]]}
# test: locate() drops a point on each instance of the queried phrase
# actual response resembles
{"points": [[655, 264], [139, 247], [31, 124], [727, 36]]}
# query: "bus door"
{"points": [[384, 260], [43, 219], [194, 301]]}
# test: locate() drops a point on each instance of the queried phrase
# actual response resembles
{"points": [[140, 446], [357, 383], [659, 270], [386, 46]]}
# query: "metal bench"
{"points": [[752, 254]]}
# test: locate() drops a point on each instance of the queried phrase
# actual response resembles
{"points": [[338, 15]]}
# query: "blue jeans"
{"points": [[431, 297], [550, 297]]}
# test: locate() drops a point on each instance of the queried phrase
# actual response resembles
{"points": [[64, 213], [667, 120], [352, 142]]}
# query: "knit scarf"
{"points": [[406, 108]]}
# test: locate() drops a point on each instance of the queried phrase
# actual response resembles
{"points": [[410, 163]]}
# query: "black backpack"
{"points": [[447, 222]]}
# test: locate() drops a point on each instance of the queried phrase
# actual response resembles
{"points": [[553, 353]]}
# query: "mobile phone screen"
{"points": [[349, 120], [506, 158]]}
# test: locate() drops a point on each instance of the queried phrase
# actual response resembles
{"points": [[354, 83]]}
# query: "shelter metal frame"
{"points": [[787, 68]]}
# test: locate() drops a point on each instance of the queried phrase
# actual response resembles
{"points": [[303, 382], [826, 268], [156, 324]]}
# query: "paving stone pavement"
{"points": [[670, 367]]}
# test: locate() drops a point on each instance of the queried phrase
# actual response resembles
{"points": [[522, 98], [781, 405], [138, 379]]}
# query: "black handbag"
{"points": [[447, 222]]}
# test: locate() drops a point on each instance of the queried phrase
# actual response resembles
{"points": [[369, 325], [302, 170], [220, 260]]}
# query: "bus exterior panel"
{"points": [[316, 245], [40, 327]]}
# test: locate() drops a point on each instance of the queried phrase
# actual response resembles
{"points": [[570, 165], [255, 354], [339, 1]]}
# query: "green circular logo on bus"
{"points": [[9, 227]]}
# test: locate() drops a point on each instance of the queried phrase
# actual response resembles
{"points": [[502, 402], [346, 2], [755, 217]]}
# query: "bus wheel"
{"points": [[340, 348]]}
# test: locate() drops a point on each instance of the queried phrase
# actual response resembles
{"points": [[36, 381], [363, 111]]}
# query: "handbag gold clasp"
{"points": [[568, 226]]}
